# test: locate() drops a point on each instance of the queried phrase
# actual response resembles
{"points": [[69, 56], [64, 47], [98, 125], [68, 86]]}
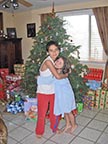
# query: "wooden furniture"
{"points": [[1, 21], [10, 53]]}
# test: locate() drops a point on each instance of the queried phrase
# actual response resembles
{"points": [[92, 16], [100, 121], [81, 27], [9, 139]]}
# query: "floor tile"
{"points": [[9, 116], [89, 113], [92, 129], [19, 133], [48, 132], [103, 139], [63, 138], [30, 125], [105, 111], [50, 142], [102, 117], [19, 120], [98, 125], [81, 120], [11, 126], [106, 130], [11, 141], [32, 139], [90, 134], [79, 140], [78, 130]]}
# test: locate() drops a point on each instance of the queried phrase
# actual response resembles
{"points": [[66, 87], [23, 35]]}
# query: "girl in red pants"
{"points": [[45, 93]]}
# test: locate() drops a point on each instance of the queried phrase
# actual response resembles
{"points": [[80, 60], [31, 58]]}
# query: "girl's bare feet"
{"points": [[39, 136], [58, 131], [66, 128], [73, 128]]}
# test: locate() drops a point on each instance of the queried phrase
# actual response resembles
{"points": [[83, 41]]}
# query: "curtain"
{"points": [[101, 15]]}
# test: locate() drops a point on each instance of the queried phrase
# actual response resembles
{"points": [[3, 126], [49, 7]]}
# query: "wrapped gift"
{"points": [[89, 100], [106, 102], [2, 89], [13, 85], [17, 97], [93, 84], [30, 109], [2, 92], [19, 69], [105, 84], [94, 74], [15, 107], [101, 99], [13, 78], [4, 72], [79, 107]]}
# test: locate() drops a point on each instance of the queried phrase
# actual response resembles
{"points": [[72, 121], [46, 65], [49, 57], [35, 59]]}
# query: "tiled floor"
{"points": [[92, 129]]}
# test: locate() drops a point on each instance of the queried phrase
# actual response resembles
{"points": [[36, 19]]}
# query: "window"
{"points": [[81, 25], [96, 45]]}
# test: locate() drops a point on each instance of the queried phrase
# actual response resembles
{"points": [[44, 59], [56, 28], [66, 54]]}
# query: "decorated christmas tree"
{"points": [[53, 29]]}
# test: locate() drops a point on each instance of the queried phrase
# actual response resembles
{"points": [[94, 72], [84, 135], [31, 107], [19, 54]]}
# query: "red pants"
{"points": [[43, 101]]}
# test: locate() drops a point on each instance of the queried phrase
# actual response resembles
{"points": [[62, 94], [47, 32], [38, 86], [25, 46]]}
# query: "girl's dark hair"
{"points": [[67, 65], [52, 43]]}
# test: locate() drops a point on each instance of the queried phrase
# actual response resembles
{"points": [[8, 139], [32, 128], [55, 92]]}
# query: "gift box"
{"points": [[94, 74], [89, 100], [15, 107], [105, 83], [2, 89], [30, 109], [79, 107], [13, 78], [101, 99], [106, 101], [93, 84], [4, 72], [19, 69]]}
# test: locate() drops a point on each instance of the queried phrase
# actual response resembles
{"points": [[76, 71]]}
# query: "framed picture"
{"points": [[31, 31], [11, 32]]}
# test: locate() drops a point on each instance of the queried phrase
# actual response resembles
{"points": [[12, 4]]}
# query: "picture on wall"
{"points": [[11, 32], [31, 31]]}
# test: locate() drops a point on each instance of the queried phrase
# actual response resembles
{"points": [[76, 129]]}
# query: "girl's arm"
{"points": [[50, 65]]}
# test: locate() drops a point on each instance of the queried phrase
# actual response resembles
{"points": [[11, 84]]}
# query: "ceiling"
{"points": [[37, 4]]}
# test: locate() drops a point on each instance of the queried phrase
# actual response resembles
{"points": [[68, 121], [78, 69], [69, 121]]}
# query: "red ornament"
{"points": [[80, 90], [49, 28]]}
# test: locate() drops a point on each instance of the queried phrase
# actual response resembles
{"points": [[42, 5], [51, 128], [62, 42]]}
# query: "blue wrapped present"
{"points": [[15, 107], [93, 84]]}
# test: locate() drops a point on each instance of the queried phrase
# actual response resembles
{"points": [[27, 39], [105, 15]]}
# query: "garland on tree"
{"points": [[53, 29]]}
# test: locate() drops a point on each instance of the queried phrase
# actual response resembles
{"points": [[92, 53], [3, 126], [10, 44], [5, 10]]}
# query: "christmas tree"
{"points": [[53, 29]]}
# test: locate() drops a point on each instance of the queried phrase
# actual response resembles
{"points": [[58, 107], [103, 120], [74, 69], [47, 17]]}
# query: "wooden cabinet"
{"points": [[10, 53], [1, 21]]}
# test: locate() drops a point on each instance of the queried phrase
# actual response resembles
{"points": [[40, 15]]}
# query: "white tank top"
{"points": [[46, 89]]}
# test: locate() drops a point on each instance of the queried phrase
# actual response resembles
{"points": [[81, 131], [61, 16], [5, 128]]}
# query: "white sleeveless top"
{"points": [[46, 89]]}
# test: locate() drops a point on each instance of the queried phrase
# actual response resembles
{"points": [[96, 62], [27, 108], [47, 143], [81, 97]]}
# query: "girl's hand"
{"points": [[66, 74]]}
